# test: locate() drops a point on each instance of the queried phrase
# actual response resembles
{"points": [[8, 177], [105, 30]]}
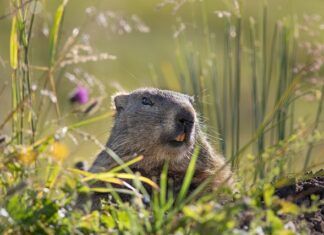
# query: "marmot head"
{"points": [[159, 123]]}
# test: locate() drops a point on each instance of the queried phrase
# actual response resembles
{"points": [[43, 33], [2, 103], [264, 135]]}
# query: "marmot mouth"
{"points": [[181, 137], [179, 140]]}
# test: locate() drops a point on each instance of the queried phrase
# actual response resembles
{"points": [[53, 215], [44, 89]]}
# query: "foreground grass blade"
{"points": [[188, 177], [90, 120], [53, 39], [111, 176], [123, 166], [14, 44], [53, 174], [110, 190], [163, 184], [317, 122], [13, 113]]}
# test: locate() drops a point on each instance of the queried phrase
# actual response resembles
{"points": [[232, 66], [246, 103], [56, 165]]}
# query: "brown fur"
{"points": [[147, 129]]}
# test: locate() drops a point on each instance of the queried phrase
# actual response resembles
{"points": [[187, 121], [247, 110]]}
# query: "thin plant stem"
{"points": [[237, 90], [317, 121]]}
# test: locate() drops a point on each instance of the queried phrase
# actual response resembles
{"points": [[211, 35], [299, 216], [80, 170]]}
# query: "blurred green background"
{"points": [[137, 52]]}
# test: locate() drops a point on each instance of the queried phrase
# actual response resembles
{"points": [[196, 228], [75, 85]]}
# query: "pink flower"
{"points": [[80, 95]]}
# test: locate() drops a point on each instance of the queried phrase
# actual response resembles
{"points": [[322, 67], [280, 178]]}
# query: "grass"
{"points": [[267, 68]]}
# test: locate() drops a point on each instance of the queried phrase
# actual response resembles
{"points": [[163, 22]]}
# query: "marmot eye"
{"points": [[147, 101]]}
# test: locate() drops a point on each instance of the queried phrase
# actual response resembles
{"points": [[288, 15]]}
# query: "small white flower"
{"points": [[3, 212]]}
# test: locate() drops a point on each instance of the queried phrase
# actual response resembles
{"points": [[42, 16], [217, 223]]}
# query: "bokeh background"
{"points": [[143, 36]]}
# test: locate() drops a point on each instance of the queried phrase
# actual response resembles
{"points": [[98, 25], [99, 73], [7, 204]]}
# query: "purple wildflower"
{"points": [[80, 95]]}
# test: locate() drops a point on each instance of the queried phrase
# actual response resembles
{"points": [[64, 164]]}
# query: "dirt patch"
{"points": [[300, 193]]}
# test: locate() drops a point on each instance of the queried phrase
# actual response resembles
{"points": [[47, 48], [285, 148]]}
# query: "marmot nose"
{"points": [[185, 119]]}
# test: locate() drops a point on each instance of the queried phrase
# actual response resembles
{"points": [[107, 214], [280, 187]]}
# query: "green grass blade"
{"points": [[279, 104], [53, 174], [317, 122], [111, 190], [14, 44], [163, 184], [188, 177], [90, 121], [53, 39], [13, 113], [237, 92], [131, 162]]}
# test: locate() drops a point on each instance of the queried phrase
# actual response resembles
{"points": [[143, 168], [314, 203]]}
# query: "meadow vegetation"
{"points": [[258, 84]]}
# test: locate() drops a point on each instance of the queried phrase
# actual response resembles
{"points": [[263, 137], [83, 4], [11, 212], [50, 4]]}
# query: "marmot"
{"points": [[161, 126]]}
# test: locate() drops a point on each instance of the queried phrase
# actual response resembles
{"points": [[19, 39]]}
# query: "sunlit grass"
{"points": [[261, 67]]}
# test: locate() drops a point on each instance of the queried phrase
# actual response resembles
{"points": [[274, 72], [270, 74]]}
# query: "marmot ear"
{"points": [[191, 99], [120, 101]]}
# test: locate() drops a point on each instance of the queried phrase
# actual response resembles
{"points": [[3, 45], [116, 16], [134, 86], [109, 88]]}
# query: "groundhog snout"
{"points": [[184, 121]]}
